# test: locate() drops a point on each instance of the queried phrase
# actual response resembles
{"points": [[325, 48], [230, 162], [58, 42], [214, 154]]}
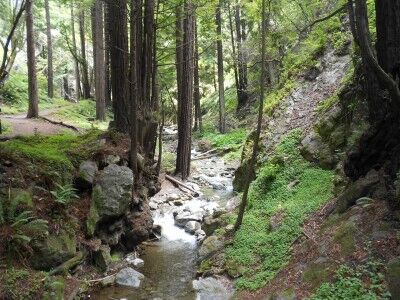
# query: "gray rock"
{"points": [[209, 246], [153, 205], [183, 218], [112, 159], [211, 289], [112, 195], [192, 226], [137, 262], [86, 174], [211, 224], [102, 258], [128, 277]]}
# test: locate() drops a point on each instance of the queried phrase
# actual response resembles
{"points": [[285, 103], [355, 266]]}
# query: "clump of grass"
{"points": [[260, 251]]}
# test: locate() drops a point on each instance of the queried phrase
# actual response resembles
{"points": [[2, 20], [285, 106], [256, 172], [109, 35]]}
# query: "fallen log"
{"points": [[68, 265], [180, 183], [61, 123]]}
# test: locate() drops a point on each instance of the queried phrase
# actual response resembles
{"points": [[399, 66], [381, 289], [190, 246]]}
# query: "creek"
{"points": [[170, 263]]}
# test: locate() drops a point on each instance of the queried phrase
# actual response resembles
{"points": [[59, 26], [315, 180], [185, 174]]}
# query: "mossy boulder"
{"points": [[111, 196], [393, 278], [315, 150], [54, 250], [210, 245], [345, 236], [102, 258]]}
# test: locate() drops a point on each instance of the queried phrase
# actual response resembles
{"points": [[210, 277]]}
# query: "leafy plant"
{"points": [[64, 193], [18, 226], [361, 283]]}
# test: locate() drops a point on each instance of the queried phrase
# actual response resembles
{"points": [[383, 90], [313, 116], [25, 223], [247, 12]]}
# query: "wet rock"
{"points": [[86, 174], [200, 235], [211, 288], [128, 277], [102, 258], [183, 218], [54, 250], [139, 226], [112, 195], [211, 224], [173, 197], [178, 203], [137, 262], [209, 246], [153, 205], [192, 226], [157, 229]]}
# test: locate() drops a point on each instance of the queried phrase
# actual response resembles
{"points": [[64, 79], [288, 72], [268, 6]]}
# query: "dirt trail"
{"points": [[21, 126]]}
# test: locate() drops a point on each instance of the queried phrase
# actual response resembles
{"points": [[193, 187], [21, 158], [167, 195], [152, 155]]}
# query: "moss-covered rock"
{"points": [[54, 250], [317, 273], [345, 237], [102, 258]]}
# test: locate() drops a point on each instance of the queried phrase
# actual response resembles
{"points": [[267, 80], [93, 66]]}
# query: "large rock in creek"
{"points": [[139, 226], [210, 245], [112, 195], [54, 250], [128, 277]]}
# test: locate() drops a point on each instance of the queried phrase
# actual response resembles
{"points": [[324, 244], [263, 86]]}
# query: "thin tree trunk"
{"points": [[198, 122], [85, 69], [179, 55], [99, 64], [75, 49], [33, 110], [107, 85], [50, 85], [220, 60], [242, 63], [119, 63], [253, 160], [186, 100], [235, 67]]}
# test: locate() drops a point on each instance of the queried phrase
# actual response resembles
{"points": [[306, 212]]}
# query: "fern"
{"points": [[64, 194]]}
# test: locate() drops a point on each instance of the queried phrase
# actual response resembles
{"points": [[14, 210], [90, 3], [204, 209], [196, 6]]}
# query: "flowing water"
{"points": [[170, 263]]}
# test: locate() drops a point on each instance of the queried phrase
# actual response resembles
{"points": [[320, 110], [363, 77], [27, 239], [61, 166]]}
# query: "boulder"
{"points": [[86, 174], [139, 226], [53, 251], [315, 150], [128, 277], [112, 159], [184, 217], [210, 246], [211, 224], [211, 288], [112, 195], [102, 258], [192, 226]]}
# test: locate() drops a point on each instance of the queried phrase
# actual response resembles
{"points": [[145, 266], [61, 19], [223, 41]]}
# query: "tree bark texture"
{"points": [[50, 82], [220, 62], [84, 64]]}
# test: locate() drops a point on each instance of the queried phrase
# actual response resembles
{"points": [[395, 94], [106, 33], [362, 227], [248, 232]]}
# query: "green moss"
{"points": [[168, 161], [205, 266], [276, 96], [259, 251], [21, 284], [93, 217], [345, 237]]}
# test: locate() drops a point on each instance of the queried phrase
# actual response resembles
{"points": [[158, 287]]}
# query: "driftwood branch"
{"points": [[60, 123], [68, 265], [180, 183]]}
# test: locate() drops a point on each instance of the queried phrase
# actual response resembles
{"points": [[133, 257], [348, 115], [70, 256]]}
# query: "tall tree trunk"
{"points": [[220, 60], [107, 85], [119, 63], [186, 100], [50, 85], [84, 65], [235, 67], [33, 110], [75, 50], [242, 62], [253, 160], [198, 122], [179, 55], [98, 53]]}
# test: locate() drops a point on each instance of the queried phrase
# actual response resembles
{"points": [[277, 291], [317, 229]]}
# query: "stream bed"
{"points": [[170, 263]]}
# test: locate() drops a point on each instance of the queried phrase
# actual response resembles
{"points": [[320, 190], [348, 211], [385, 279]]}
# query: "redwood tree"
{"points": [[33, 110]]}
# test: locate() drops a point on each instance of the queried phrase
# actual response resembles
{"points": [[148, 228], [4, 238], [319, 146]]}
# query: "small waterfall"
{"points": [[170, 232]]}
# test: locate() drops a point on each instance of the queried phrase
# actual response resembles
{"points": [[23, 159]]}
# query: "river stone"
{"points": [[211, 224], [112, 195], [183, 218], [192, 226], [128, 277], [211, 288], [86, 174], [209, 246], [153, 205]]}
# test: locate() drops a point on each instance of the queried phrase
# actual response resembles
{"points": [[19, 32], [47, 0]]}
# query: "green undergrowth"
{"points": [[83, 115], [58, 152], [365, 282], [287, 187], [6, 127]]}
